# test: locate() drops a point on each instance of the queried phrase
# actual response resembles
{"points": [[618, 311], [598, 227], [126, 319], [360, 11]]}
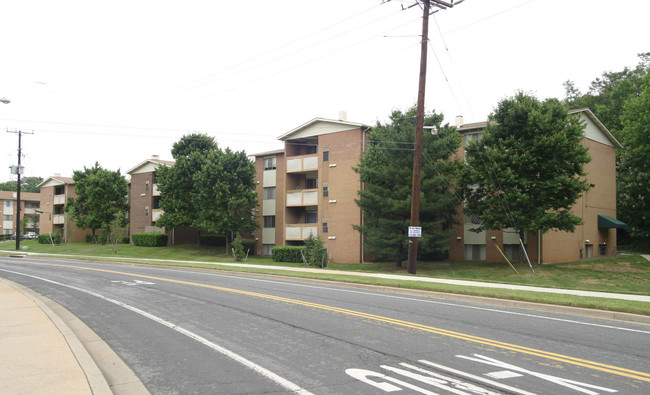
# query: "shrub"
{"points": [[287, 253], [315, 251], [249, 246], [150, 239], [48, 238], [213, 240], [238, 249], [99, 238]]}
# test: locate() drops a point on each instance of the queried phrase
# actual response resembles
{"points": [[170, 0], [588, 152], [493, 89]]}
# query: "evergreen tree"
{"points": [[385, 169]]}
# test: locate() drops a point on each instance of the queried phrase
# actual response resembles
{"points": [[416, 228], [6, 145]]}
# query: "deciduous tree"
{"points": [[527, 171], [101, 196]]}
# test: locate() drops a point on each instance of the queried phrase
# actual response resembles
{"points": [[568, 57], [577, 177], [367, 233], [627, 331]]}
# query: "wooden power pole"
{"points": [[419, 126]]}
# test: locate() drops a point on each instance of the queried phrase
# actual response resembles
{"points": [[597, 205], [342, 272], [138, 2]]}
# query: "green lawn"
{"points": [[622, 274]]}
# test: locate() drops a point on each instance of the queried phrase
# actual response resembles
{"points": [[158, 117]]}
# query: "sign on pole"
{"points": [[415, 231]]}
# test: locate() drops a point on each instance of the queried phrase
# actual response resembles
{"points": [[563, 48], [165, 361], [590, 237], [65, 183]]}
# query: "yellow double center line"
{"points": [[405, 324]]}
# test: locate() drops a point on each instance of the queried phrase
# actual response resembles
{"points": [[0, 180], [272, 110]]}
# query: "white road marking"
{"points": [[572, 384], [238, 358]]}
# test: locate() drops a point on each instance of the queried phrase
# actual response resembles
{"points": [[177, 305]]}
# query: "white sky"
{"points": [[115, 82]]}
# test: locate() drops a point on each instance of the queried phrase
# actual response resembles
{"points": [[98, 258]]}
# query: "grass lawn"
{"points": [[622, 274]]}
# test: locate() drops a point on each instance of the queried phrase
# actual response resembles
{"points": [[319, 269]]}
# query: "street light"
{"points": [[5, 101]]}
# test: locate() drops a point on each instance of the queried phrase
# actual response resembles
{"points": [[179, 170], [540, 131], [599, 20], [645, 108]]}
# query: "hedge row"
{"points": [[150, 239], [288, 253], [48, 238]]}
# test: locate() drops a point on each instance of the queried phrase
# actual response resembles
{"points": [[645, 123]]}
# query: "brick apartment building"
{"points": [[29, 203], [144, 202], [596, 208], [309, 187], [54, 193]]}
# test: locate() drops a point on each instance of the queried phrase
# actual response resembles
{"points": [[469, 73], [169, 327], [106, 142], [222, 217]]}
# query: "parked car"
{"points": [[30, 236]]}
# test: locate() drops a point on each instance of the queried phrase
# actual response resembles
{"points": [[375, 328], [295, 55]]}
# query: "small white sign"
{"points": [[415, 231]]}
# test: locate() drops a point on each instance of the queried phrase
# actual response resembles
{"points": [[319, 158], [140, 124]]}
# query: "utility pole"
{"points": [[18, 171], [417, 155]]}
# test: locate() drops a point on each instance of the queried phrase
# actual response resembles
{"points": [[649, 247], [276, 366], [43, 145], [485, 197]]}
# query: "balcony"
{"points": [[302, 163], [59, 199], [307, 197], [300, 231], [58, 219], [155, 191], [30, 211], [155, 214]]}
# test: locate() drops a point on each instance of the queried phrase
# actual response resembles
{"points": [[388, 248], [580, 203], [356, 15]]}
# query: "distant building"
{"points": [[596, 208], [309, 187], [54, 193], [29, 203]]}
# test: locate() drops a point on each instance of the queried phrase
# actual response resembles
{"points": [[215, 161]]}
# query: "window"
{"points": [[146, 211], [9, 203], [31, 205], [513, 252], [326, 155], [146, 185], [325, 226], [269, 163], [269, 221], [326, 190], [471, 137], [475, 252], [8, 217], [311, 183], [58, 190], [156, 202], [267, 249], [269, 193], [311, 217]]}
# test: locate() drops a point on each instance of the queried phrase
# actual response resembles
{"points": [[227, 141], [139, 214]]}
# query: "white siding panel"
{"points": [[268, 178]]}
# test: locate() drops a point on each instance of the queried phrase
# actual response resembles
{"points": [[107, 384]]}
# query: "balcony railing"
{"points": [[155, 192], [302, 163], [307, 197], [59, 199], [300, 231], [58, 219]]}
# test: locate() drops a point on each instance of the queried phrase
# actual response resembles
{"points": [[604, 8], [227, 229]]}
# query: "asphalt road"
{"points": [[186, 332]]}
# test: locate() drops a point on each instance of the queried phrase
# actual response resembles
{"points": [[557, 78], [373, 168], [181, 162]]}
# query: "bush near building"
{"points": [[49, 238], [150, 239]]}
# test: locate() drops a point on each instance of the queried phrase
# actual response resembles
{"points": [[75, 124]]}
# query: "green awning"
{"points": [[605, 221]]}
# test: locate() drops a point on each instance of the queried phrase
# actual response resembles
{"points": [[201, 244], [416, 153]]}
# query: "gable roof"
{"points": [[55, 180], [319, 126], [593, 134], [149, 165], [598, 133]]}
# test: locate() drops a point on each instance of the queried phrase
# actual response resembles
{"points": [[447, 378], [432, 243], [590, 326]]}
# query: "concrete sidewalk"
{"points": [[44, 349], [39, 353]]}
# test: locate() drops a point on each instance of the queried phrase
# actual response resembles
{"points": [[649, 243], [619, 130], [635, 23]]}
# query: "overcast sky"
{"points": [[116, 82]]}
